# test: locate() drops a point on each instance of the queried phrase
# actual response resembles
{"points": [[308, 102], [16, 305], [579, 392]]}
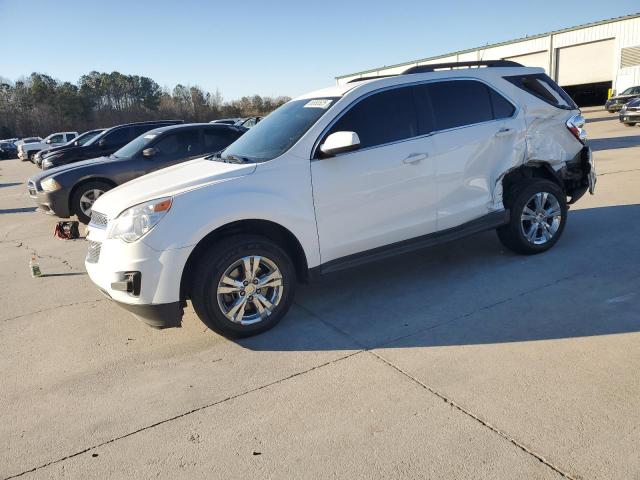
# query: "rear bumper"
{"points": [[579, 175]]}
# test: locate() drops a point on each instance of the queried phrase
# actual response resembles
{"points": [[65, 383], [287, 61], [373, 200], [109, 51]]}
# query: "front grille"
{"points": [[31, 186], [93, 253], [98, 219]]}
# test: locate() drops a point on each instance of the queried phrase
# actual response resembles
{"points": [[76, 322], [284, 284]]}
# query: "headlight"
{"points": [[137, 221], [50, 185], [46, 163], [624, 107]]}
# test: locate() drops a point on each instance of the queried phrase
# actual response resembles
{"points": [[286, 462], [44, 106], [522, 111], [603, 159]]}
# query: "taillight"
{"points": [[576, 126]]}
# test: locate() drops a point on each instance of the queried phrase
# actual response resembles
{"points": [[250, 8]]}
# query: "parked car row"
{"points": [[248, 122], [26, 151], [72, 188], [332, 179], [81, 139], [616, 102], [630, 113]]}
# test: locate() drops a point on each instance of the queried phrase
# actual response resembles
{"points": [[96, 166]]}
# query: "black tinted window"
{"points": [[460, 102], [119, 136], [502, 108], [541, 86], [383, 117], [177, 145], [216, 139]]}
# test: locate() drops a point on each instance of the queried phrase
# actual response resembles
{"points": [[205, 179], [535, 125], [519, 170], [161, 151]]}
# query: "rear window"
{"points": [[541, 86]]}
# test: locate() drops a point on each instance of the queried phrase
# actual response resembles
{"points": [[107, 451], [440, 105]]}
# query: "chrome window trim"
{"points": [[316, 144]]}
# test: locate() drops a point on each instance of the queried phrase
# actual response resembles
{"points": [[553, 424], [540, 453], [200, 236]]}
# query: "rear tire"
{"points": [[84, 196], [258, 290], [538, 209], [629, 124]]}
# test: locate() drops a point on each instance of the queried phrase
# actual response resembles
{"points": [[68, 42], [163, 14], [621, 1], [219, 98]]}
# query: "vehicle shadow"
{"points": [[18, 210], [472, 292], [614, 143], [602, 119]]}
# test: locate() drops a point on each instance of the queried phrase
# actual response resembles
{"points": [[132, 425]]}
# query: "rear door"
{"points": [[476, 130], [385, 191]]}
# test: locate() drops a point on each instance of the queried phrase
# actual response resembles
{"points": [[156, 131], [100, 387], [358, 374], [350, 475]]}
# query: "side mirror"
{"points": [[340, 142], [149, 152], [102, 143], [48, 142]]}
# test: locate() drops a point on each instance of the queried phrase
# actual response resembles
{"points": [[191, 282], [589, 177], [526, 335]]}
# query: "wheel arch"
{"points": [[528, 171], [269, 229], [83, 182]]}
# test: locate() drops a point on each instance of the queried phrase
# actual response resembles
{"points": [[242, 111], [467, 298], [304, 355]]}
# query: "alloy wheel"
{"points": [[87, 200], [541, 218], [250, 289]]}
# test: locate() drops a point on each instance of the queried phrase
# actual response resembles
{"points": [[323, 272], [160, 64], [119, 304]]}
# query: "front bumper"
{"points": [[22, 155], [156, 298], [630, 116], [52, 203]]}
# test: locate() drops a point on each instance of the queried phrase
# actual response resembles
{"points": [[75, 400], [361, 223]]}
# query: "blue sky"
{"points": [[244, 47]]}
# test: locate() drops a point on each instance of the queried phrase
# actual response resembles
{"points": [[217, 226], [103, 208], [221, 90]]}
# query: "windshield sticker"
{"points": [[318, 103], [150, 137]]}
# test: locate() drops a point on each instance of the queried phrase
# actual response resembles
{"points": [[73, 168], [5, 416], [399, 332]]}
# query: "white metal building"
{"points": [[586, 60]]}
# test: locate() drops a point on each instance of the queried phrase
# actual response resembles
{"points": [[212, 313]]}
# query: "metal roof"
{"points": [[499, 44]]}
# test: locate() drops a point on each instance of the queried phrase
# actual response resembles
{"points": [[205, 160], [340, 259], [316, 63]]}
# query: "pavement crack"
{"points": [[618, 171], [65, 262], [452, 403], [182, 415], [84, 302]]}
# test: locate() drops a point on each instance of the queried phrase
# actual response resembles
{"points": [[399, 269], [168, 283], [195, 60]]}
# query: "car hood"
{"points": [[73, 166], [168, 182], [58, 149], [623, 97]]}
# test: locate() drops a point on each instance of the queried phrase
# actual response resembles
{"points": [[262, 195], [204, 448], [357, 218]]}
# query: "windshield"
{"points": [[277, 132], [135, 145], [629, 91]]}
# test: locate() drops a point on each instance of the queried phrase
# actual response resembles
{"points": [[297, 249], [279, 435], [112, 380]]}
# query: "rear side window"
{"points": [[383, 117], [502, 108], [460, 102], [541, 86]]}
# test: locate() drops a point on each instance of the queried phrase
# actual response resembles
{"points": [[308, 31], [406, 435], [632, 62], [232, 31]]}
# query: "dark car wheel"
{"points": [[84, 197], [630, 124], [538, 213], [243, 286]]}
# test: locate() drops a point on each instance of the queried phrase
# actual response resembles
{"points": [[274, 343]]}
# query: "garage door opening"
{"points": [[589, 94]]}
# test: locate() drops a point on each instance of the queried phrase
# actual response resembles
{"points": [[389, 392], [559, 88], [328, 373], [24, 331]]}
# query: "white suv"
{"points": [[338, 177]]}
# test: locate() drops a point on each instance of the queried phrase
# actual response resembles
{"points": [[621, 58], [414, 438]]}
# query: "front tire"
{"points": [[85, 196], [243, 286], [538, 213], [629, 124]]}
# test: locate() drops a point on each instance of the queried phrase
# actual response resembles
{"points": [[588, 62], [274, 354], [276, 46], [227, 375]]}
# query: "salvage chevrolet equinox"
{"points": [[338, 177]]}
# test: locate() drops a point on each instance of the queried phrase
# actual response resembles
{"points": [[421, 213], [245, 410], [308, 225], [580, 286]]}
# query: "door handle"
{"points": [[415, 158], [503, 131]]}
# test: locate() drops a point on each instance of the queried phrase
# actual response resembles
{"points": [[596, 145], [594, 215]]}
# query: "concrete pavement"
{"points": [[462, 361]]}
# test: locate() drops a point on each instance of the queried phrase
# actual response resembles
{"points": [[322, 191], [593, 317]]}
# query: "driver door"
{"points": [[385, 191]]}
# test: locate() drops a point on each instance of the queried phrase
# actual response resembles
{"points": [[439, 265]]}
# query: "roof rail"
{"points": [[432, 67], [442, 66]]}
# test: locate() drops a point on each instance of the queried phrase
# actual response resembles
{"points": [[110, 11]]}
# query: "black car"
{"points": [[80, 140], [8, 150], [616, 102], [630, 113], [72, 189], [105, 144]]}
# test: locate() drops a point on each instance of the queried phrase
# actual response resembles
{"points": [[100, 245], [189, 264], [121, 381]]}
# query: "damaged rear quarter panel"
{"points": [[544, 140]]}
